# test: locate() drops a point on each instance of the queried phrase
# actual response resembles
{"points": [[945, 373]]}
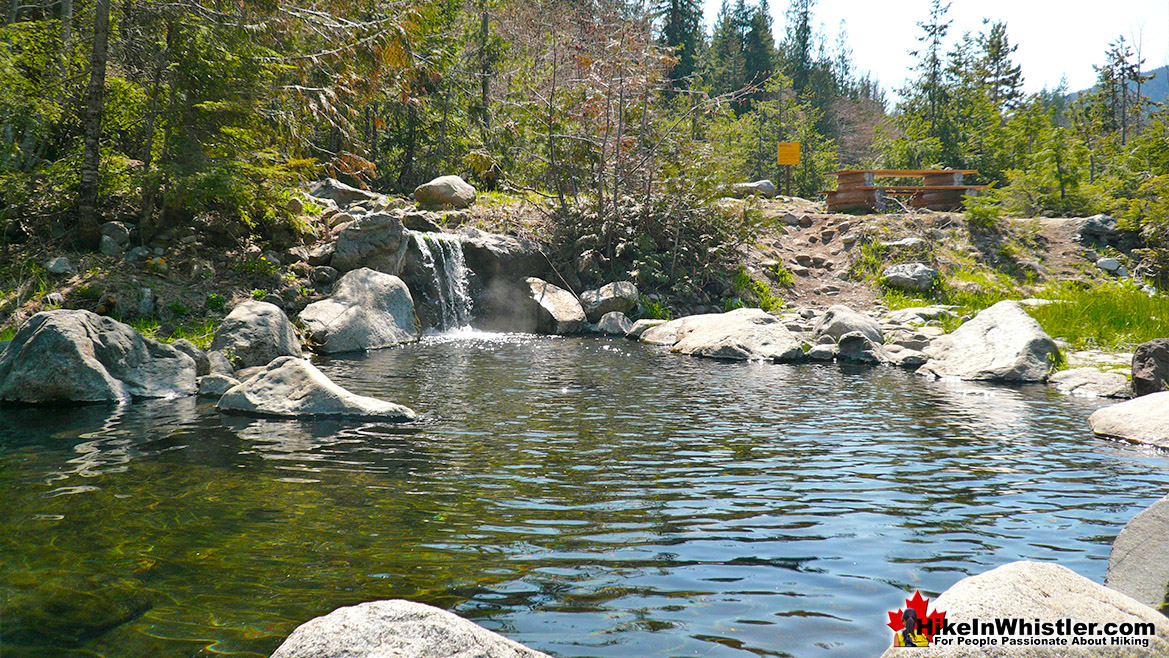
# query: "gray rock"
{"points": [[421, 221], [294, 205], [377, 241], [614, 323], [368, 310], [291, 387], [55, 299], [202, 362], [920, 314], [219, 364], [109, 247], [1139, 562], [556, 311], [763, 188], [1108, 264], [78, 356], [397, 629], [1046, 591], [339, 219], [1097, 228], [904, 243], [139, 253], [839, 320], [339, 192], [822, 352], [323, 275], [856, 347], [60, 265], [1150, 367], [321, 254], [909, 276], [445, 191], [907, 358], [744, 334], [1002, 343], [215, 385], [618, 296], [492, 256], [641, 326], [145, 303], [254, 333], [272, 257], [1122, 272], [1091, 382], [119, 232], [1142, 420]]}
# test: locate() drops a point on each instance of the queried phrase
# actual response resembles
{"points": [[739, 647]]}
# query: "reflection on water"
{"points": [[584, 497]]}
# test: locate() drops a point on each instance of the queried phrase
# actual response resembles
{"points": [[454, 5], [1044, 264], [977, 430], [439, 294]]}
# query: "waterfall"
{"points": [[442, 253]]}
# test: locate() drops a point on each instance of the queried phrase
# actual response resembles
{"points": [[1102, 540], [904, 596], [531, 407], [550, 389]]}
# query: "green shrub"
{"points": [[259, 294], [215, 302], [259, 265]]}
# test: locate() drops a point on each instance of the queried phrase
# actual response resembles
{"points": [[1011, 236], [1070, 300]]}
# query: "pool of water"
{"points": [[586, 497]]}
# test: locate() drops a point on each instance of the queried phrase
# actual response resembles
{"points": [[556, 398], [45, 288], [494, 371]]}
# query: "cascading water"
{"points": [[442, 253]]}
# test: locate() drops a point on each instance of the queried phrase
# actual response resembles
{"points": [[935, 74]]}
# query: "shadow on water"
{"points": [[584, 497]]}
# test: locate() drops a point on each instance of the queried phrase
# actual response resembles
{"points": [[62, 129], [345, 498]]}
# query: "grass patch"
{"points": [[7, 333], [1113, 316], [752, 293], [198, 332]]}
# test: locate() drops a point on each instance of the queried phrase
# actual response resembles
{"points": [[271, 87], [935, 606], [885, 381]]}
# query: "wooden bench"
{"points": [[941, 189]]}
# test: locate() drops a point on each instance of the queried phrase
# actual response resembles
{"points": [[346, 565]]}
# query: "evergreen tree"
{"points": [[758, 47], [930, 65], [681, 31], [1002, 78], [798, 43]]}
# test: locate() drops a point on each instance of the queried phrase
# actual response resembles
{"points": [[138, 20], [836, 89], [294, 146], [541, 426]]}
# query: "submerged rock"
{"points": [[1143, 420], [618, 296], [368, 310], [744, 334], [445, 191], [79, 356], [555, 310], [1046, 591], [1091, 382], [291, 387], [1139, 562], [397, 629], [254, 333], [1002, 343]]}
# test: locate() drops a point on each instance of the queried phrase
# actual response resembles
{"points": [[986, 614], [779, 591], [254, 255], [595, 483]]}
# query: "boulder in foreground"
{"points": [[1091, 382], [1002, 343], [744, 334], [291, 387], [556, 310], [1150, 367], [839, 320], [1139, 562], [368, 310], [397, 629], [254, 333], [1045, 591], [1143, 420], [617, 296], [78, 356]]}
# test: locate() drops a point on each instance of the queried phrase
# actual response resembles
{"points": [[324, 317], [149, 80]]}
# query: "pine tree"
{"points": [[930, 63], [681, 31], [797, 44], [1002, 78], [759, 47]]}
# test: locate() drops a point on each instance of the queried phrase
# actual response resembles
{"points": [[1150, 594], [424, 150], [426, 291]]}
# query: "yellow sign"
{"points": [[789, 153]]}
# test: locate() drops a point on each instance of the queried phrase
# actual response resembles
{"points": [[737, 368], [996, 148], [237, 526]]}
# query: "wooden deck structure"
{"points": [[941, 189]]}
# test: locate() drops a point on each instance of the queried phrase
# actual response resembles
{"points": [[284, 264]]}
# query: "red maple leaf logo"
{"points": [[930, 623]]}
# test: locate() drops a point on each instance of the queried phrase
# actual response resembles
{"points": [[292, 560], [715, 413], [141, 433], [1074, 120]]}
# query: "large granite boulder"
{"points": [[618, 296], [445, 191], [1139, 562], [613, 323], [291, 387], [764, 188], [202, 362], [1142, 420], [254, 333], [839, 320], [555, 310], [1150, 367], [78, 356], [641, 326], [909, 276], [368, 310], [377, 241], [856, 347], [493, 256], [1002, 343], [1091, 382], [744, 334], [339, 192], [397, 629], [1048, 592]]}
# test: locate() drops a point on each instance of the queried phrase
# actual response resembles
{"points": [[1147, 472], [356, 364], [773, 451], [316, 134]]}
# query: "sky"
{"points": [[1055, 39]]}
